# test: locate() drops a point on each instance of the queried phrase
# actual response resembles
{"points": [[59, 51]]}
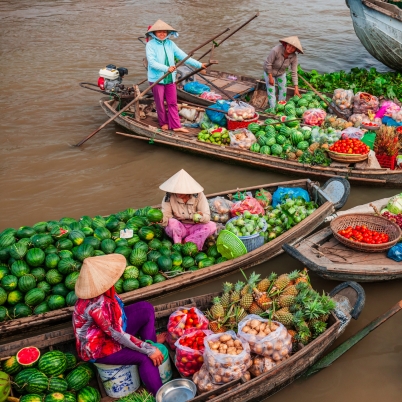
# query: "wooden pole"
{"points": [[148, 89]]}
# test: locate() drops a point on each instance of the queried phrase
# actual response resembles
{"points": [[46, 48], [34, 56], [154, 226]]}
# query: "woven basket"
{"points": [[234, 124], [373, 222], [347, 158]]}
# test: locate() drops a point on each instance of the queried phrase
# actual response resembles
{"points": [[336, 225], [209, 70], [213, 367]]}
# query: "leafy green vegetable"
{"points": [[317, 158], [143, 396]]}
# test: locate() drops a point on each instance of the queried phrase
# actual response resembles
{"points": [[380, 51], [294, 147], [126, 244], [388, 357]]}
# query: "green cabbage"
{"points": [[395, 204]]}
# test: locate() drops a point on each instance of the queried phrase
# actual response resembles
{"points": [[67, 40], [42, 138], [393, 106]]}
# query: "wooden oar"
{"points": [[345, 346], [149, 88]]}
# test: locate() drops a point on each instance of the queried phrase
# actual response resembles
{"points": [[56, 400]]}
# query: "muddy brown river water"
{"points": [[48, 47]]}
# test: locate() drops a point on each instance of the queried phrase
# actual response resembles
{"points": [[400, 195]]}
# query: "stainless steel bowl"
{"points": [[179, 390]]}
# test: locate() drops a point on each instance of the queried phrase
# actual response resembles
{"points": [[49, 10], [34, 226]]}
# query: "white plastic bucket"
{"points": [[118, 381]]}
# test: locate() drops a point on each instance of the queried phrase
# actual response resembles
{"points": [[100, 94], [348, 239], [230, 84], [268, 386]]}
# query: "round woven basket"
{"points": [[347, 158], [373, 222]]}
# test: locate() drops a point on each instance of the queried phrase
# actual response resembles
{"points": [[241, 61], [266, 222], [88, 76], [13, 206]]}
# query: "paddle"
{"points": [[149, 88], [345, 346]]}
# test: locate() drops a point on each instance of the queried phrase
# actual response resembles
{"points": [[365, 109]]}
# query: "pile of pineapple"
{"points": [[289, 299]]}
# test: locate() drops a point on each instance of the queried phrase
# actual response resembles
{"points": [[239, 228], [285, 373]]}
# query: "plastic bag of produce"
{"points": [[351, 133], [363, 102], [218, 117], [343, 98], [387, 108], [241, 111], [206, 124], [325, 136], [196, 88], [240, 196], [249, 204], [189, 114], [280, 195], [395, 204], [264, 197], [203, 381], [242, 138], [183, 321], [314, 117], [395, 252], [220, 209], [226, 357], [260, 365], [189, 352], [357, 119], [397, 116], [266, 338], [211, 96]]}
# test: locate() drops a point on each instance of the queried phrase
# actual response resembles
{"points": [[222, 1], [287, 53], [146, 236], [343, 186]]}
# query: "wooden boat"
{"points": [[378, 25], [328, 198], [62, 338], [148, 129], [324, 255]]}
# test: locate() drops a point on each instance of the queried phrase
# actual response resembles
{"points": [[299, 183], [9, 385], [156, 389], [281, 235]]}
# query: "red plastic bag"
{"points": [[183, 321], [314, 117], [249, 204], [189, 352], [264, 197]]}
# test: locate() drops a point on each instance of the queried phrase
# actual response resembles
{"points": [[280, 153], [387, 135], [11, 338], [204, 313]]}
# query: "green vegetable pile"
{"points": [[358, 79], [142, 396], [317, 158]]}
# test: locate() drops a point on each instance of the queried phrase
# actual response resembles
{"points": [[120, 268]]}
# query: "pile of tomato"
{"points": [[189, 353], [351, 146], [362, 234]]}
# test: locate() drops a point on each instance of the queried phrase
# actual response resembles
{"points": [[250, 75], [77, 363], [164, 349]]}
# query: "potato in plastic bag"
{"points": [[261, 365]]}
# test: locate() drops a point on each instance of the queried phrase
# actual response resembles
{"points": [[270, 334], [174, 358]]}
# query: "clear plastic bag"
{"points": [[241, 111], [325, 136], [196, 88], [357, 119], [179, 323], [218, 117], [203, 381], [242, 138], [343, 98], [269, 340], [363, 102], [264, 197], [352, 133], [282, 193], [261, 365], [397, 116], [249, 204], [226, 367], [220, 209], [211, 96], [314, 117]]}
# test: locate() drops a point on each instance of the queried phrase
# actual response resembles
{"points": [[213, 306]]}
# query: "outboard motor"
{"points": [[111, 77]]}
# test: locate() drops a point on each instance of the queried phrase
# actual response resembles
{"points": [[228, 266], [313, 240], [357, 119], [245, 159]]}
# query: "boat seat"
{"points": [[337, 190]]}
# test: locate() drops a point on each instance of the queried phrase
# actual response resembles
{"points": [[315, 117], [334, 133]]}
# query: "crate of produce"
{"points": [[385, 161], [235, 124]]}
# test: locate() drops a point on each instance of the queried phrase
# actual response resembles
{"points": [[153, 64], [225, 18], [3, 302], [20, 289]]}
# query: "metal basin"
{"points": [[179, 390]]}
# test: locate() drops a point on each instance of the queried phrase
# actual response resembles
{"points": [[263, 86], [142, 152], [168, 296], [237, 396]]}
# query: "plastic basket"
{"points": [[229, 245], [385, 161], [234, 124]]}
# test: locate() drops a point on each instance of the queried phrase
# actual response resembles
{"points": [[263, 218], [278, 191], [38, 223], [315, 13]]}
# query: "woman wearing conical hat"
{"points": [[106, 330], [186, 213], [161, 53], [279, 59]]}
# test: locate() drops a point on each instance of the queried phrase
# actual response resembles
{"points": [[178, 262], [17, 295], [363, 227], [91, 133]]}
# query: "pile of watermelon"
{"points": [[53, 377], [39, 265]]}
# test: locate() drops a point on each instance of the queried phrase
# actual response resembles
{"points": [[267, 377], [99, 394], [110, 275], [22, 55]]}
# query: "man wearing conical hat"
{"points": [[161, 54], [105, 330], [186, 213], [279, 59]]}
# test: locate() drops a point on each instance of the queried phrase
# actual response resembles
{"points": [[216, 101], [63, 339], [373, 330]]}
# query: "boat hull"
{"points": [[379, 30]]}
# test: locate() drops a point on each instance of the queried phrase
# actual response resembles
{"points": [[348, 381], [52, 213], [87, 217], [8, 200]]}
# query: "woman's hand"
{"points": [[157, 357], [297, 93], [271, 80], [171, 69], [203, 65]]}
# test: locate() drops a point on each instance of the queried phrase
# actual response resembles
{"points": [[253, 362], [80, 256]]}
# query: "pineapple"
{"points": [[293, 334], [284, 316], [286, 300], [217, 309], [303, 335], [313, 309], [328, 305], [284, 280], [253, 279], [255, 309], [247, 297], [290, 291], [216, 327], [262, 300], [318, 328], [303, 277], [264, 284], [235, 296], [225, 299], [240, 314]]}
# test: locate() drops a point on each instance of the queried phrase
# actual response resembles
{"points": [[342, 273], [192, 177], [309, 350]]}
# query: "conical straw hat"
{"points": [[294, 41], [181, 183], [99, 274], [160, 26]]}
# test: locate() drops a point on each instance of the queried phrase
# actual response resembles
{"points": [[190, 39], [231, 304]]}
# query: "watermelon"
{"points": [[18, 250], [53, 277], [59, 232], [70, 280], [3, 296], [77, 237], [261, 140], [28, 356], [87, 231], [4, 254], [35, 257], [101, 233], [199, 257], [88, 394], [61, 289], [4, 271], [112, 223], [306, 134], [52, 363], [270, 130], [280, 107], [9, 282], [39, 273], [126, 251], [121, 242], [164, 251], [57, 384], [190, 249], [20, 268], [119, 286], [52, 260], [69, 397], [158, 278], [71, 298], [64, 244], [188, 262], [294, 123], [14, 297], [54, 397], [296, 137], [85, 251], [151, 268], [253, 127], [220, 260], [11, 366], [6, 240], [137, 221], [25, 232], [145, 280], [108, 246], [3, 314], [276, 149], [167, 243], [41, 240], [138, 257], [71, 361], [25, 283], [68, 265], [51, 224], [56, 302], [37, 383], [65, 254], [153, 256], [165, 263], [130, 272], [98, 221], [155, 244], [67, 221], [146, 233], [34, 296], [303, 145], [255, 147], [31, 398], [280, 139], [176, 259], [270, 141], [213, 252], [265, 150], [92, 241], [19, 310], [22, 379], [154, 215], [78, 378], [130, 284], [206, 262], [41, 308]]}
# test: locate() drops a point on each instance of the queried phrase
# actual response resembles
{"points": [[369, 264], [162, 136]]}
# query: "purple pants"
{"points": [[195, 232], [171, 115], [140, 322]]}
